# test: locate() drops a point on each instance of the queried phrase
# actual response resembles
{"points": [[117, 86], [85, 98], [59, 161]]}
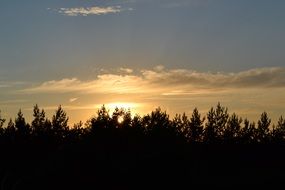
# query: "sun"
{"points": [[120, 119]]}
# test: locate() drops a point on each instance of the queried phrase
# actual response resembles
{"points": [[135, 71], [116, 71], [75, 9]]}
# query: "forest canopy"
{"points": [[217, 126], [121, 151]]}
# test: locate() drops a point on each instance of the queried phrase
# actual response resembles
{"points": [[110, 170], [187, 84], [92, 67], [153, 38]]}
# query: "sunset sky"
{"points": [[142, 54]]}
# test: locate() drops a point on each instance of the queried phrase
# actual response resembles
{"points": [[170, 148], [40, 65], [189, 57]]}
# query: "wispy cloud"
{"points": [[85, 11], [73, 99], [6, 84], [167, 82], [106, 83], [126, 70], [260, 77]]}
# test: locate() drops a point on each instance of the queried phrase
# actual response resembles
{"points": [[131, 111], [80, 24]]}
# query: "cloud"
{"points": [[175, 90], [260, 77], [85, 11], [159, 68], [106, 83], [73, 99], [161, 81], [126, 70], [64, 85], [6, 84]]}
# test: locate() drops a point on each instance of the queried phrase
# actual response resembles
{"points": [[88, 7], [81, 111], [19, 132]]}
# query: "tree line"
{"points": [[217, 127], [120, 151]]}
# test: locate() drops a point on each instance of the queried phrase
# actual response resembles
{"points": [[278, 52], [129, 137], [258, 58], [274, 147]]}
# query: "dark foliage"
{"points": [[118, 151]]}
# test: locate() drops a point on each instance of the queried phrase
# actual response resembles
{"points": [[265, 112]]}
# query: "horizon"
{"points": [[134, 111]]}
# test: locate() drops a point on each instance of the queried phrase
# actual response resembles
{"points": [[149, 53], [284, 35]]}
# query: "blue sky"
{"points": [[48, 43]]}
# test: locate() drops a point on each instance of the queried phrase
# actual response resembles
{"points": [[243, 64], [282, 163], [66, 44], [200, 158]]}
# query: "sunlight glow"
{"points": [[124, 105], [120, 119], [134, 107]]}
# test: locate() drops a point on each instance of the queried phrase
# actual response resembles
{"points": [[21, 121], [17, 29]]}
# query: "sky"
{"points": [[141, 54]]}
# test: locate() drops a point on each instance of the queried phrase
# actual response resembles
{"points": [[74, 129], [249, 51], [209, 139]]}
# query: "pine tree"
{"points": [[22, 128], [2, 121], [196, 126], [263, 130], [126, 119], [59, 122], [100, 121], [232, 130], [38, 123], [182, 125], [279, 130], [10, 130], [248, 132], [216, 122]]}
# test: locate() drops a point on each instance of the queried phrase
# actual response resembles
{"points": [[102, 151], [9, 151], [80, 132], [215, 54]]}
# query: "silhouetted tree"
{"points": [[210, 133], [232, 130], [126, 119], [279, 130], [216, 122], [182, 124], [117, 118], [78, 125], [196, 126], [157, 119], [137, 125], [2, 121], [263, 130], [158, 125], [76, 132], [38, 123], [10, 130], [22, 128], [59, 122], [248, 132], [101, 121]]}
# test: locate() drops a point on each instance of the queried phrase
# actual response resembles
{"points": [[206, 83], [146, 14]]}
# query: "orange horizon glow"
{"points": [[135, 108]]}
